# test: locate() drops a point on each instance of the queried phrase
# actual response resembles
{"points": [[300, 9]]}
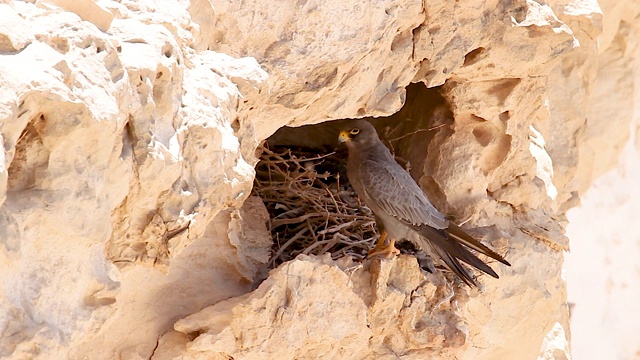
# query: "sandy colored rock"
{"points": [[363, 61], [95, 117], [11, 40], [381, 313], [129, 131], [87, 10]]}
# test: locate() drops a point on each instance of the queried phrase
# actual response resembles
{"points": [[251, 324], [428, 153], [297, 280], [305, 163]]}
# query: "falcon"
{"points": [[403, 211]]}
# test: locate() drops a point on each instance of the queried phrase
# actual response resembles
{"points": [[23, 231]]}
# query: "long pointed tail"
{"points": [[457, 233], [447, 244]]}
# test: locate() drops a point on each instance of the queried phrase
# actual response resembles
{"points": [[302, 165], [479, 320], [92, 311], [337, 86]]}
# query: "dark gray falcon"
{"points": [[402, 210]]}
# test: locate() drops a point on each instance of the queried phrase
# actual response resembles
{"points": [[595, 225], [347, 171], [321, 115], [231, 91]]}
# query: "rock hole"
{"points": [[495, 153], [473, 56], [128, 141], [504, 116], [235, 125], [301, 178], [167, 51], [402, 40], [503, 89], [483, 134], [30, 159], [420, 325]]}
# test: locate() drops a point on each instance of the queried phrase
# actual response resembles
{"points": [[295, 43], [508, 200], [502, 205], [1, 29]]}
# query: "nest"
{"points": [[313, 209]]}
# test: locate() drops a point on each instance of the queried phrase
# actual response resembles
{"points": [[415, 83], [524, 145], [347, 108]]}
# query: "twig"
{"points": [[306, 201], [289, 242]]}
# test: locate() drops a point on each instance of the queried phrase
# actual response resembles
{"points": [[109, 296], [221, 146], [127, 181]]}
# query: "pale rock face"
{"points": [[129, 132], [326, 60], [399, 316], [121, 151]]}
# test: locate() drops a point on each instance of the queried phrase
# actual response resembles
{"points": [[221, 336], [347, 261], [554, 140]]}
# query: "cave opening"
{"points": [[301, 178]]}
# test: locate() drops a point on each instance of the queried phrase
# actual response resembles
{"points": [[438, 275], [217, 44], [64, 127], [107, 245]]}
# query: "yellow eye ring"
{"points": [[354, 131]]}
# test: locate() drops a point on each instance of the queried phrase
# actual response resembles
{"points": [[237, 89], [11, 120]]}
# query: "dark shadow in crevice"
{"points": [[287, 163]]}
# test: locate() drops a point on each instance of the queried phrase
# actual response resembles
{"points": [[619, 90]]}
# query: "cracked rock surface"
{"points": [[129, 132]]}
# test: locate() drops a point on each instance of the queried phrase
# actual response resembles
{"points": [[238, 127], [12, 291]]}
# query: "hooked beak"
{"points": [[343, 137]]}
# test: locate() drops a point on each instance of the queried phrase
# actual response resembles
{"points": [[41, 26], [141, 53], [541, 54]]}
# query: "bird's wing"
{"points": [[394, 191]]}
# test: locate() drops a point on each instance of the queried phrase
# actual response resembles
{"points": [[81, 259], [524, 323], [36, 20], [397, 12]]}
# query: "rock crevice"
{"points": [[129, 132]]}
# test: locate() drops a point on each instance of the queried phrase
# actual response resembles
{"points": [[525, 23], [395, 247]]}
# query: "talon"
{"points": [[387, 251]]}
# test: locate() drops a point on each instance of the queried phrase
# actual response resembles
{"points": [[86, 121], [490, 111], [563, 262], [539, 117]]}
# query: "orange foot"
{"points": [[387, 251]]}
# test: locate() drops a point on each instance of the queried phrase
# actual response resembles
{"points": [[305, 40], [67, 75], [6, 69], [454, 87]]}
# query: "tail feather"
{"points": [[466, 239], [454, 265], [447, 245], [453, 248]]}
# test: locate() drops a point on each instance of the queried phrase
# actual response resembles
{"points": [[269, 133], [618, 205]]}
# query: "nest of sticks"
{"points": [[313, 209]]}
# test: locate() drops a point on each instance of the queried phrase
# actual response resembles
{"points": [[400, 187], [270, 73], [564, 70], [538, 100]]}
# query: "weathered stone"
{"points": [[129, 131]]}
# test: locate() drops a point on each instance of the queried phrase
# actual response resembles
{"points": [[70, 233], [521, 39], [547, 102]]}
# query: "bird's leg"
{"points": [[381, 249], [380, 244]]}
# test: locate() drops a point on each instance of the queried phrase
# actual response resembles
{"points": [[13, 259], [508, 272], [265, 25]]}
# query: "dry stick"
{"points": [[313, 233], [335, 203], [436, 127], [330, 242], [300, 184], [279, 222], [337, 228], [408, 134], [368, 242], [289, 242], [326, 223], [314, 245], [290, 212], [304, 159], [316, 203], [299, 227]]}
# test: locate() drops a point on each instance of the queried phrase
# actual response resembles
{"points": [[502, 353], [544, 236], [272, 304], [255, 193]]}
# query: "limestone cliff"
{"points": [[130, 129]]}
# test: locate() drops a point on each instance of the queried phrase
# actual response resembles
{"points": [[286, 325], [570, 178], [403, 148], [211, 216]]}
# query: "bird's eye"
{"points": [[355, 131]]}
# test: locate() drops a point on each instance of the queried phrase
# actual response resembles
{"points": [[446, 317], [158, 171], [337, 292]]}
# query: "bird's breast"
{"points": [[394, 227]]}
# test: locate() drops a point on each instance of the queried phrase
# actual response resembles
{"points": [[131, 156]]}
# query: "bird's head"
{"points": [[358, 133]]}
